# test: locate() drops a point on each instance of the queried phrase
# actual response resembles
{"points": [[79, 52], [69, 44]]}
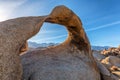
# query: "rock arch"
{"points": [[71, 60], [13, 34]]}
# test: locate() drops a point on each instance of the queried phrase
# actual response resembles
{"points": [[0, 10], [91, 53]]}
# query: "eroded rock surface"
{"points": [[71, 60], [110, 63], [13, 34]]}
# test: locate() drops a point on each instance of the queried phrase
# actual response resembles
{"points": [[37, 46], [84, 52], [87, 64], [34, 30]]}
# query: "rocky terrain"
{"points": [[13, 36], [108, 60], [109, 63], [71, 60]]}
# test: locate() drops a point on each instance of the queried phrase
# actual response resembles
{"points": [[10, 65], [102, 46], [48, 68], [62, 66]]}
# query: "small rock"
{"points": [[111, 61], [114, 68], [106, 63], [114, 61]]}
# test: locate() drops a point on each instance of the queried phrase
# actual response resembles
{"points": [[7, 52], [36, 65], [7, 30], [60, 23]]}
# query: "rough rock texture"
{"points": [[71, 60], [13, 34], [112, 51], [110, 64], [24, 47], [111, 61], [103, 69]]}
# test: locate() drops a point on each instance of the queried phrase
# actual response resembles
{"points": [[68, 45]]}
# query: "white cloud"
{"points": [[7, 7], [57, 37], [42, 32], [103, 26], [48, 39]]}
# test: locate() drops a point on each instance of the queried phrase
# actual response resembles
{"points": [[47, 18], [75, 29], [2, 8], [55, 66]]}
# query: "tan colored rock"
{"points": [[111, 61], [106, 63], [13, 34], [114, 68], [111, 52], [24, 47], [114, 61], [117, 73], [71, 60], [105, 53]]}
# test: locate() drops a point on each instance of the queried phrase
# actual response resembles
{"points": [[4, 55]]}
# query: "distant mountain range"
{"points": [[36, 45], [100, 47]]}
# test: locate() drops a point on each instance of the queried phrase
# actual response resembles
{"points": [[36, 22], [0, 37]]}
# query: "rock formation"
{"points": [[24, 47], [111, 51], [71, 60], [108, 62], [13, 34]]}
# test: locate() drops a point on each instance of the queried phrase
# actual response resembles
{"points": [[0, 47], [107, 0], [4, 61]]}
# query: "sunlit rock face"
{"points": [[71, 60], [13, 35], [108, 62]]}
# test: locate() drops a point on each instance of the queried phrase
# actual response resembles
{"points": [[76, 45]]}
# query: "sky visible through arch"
{"points": [[100, 18]]}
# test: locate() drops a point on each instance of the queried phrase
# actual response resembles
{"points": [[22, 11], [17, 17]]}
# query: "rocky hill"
{"points": [[70, 60]]}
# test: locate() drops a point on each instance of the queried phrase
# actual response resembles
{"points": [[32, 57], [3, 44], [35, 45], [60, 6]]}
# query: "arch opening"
{"points": [[49, 35]]}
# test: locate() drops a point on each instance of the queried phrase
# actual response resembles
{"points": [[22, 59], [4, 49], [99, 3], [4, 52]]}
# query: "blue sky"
{"points": [[100, 18]]}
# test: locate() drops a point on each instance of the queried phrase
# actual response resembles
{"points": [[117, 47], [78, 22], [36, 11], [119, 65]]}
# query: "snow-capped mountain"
{"points": [[100, 47], [36, 45]]}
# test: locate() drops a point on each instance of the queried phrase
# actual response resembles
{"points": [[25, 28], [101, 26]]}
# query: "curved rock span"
{"points": [[71, 60], [13, 34]]}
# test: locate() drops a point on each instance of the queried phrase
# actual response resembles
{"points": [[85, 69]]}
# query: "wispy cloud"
{"points": [[42, 32], [57, 37], [31, 8], [48, 39], [7, 7], [103, 26]]}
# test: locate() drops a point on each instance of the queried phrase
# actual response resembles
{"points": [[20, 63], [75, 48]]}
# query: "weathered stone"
{"points": [[111, 61], [114, 61], [24, 47], [111, 52], [13, 34], [114, 68], [71, 60], [106, 63], [103, 69]]}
